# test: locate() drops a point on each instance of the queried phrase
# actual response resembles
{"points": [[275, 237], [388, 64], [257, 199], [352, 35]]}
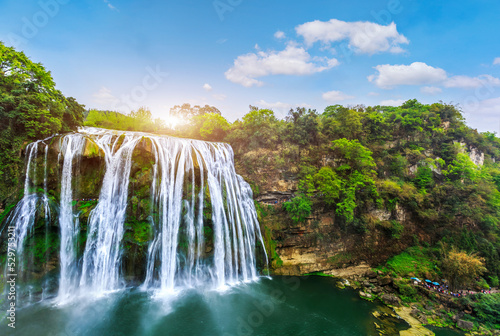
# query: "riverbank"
{"points": [[418, 305]]}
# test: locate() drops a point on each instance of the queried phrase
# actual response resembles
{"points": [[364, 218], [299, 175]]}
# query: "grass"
{"points": [[415, 261]]}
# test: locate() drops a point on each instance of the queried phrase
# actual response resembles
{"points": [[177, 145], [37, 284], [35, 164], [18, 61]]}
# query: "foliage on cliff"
{"points": [[356, 161], [31, 108]]}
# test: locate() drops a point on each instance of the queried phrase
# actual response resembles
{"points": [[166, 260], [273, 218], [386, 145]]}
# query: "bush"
{"points": [[299, 208], [487, 309], [494, 281], [415, 261]]}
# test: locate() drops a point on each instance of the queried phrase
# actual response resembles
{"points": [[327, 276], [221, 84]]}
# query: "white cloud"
{"points": [[392, 102], [431, 90], [219, 96], [417, 73], [487, 107], [291, 61], [364, 37], [496, 61], [373, 94], [110, 6], [466, 82], [276, 105], [279, 34], [104, 97], [207, 87], [336, 96]]}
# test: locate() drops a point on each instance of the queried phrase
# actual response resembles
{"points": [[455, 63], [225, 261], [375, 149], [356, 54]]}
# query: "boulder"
{"points": [[415, 313], [391, 299], [365, 295], [385, 281], [371, 274], [467, 325], [423, 319]]}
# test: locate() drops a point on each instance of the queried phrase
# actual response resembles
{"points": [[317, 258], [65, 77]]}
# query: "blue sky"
{"points": [[112, 54]]}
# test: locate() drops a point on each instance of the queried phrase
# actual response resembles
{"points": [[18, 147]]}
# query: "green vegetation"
{"points": [[352, 161], [299, 208], [461, 268], [414, 262], [31, 108], [140, 120], [487, 309]]}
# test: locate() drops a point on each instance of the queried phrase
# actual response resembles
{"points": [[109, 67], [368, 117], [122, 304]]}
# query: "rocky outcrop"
{"points": [[466, 325]]}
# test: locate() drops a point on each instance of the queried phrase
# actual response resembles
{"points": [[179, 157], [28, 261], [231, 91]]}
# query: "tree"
{"points": [[462, 168], [299, 208], [302, 128], [259, 128], [186, 111], [342, 122], [328, 184], [211, 126], [461, 269], [31, 108], [356, 171], [353, 156]]}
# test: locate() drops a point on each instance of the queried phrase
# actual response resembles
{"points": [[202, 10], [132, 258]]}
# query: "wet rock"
{"points": [[423, 319], [391, 299], [385, 281], [365, 295], [467, 325], [376, 290], [457, 317]]}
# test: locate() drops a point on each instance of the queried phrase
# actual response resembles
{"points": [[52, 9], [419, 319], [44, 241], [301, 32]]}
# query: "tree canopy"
{"points": [[30, 108]]}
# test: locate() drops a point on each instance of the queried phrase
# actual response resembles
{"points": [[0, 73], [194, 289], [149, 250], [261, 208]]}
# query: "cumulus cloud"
{"points": [[279, 34], [431, 90], [207, 87], [417, 73], [291, 61], [392, 102], [496, 61], [364, 37], [336, 96], [104, 97], [466, 82]]}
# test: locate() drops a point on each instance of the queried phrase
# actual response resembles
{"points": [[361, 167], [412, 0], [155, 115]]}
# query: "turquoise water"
{"points": [[281, 306]]}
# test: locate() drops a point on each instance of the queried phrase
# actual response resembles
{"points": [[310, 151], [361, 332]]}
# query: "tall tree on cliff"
{"points": [[31, 108]]}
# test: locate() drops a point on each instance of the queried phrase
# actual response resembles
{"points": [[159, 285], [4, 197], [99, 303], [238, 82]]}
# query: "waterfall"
{"points": [[71, 147], [204, 228], [101, 260]]}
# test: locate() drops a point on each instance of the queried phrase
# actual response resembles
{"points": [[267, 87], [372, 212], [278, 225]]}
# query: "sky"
{"points": [[120, 55]]}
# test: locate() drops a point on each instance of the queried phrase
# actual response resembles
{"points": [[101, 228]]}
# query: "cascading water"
{"points": [[101, 260], [71, 146], [203, 224]]}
